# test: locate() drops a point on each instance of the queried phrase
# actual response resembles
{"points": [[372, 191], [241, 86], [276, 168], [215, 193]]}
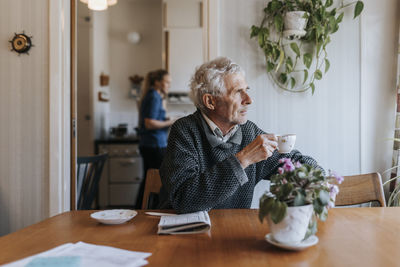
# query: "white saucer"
{"points": [[113, 216], [311, 241]]}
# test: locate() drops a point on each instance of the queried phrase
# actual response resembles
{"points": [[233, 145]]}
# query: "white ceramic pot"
{"points": [[292, 229], [294, 24]]}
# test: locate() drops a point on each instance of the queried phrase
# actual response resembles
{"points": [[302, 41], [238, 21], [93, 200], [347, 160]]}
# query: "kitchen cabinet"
{"points": [[185, 51], [184, 39]]}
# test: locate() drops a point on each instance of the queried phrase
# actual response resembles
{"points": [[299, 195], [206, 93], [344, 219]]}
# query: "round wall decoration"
{"points": [[21, 43]]}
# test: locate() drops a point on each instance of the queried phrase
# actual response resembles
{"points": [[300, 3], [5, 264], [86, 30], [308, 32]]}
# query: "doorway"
{"points": [[128, 40]]}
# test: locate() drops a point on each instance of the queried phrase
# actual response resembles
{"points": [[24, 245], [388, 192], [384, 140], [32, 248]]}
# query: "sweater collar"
{"points": [[212, 139]]}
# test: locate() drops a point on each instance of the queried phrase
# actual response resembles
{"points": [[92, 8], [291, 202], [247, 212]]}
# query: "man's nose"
{"points": [[247, 99]]}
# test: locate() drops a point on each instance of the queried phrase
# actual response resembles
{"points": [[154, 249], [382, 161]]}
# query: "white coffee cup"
{"points": [[286, 142]]}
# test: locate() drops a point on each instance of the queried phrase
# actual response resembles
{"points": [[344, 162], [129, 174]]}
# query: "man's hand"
{"points": [[260, 149]]}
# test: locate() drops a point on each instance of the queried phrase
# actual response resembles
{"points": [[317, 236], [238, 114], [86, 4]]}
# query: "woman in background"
{"points": [[153, 123]]}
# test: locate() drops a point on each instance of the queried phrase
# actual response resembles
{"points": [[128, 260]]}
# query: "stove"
{"points": [[122, 174]]}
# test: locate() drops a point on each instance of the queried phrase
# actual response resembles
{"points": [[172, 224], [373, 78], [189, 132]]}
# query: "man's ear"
{"points": [[208, 101]]}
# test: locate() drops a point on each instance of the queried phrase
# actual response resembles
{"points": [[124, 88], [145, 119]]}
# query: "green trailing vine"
{"points": [[290, 61]]}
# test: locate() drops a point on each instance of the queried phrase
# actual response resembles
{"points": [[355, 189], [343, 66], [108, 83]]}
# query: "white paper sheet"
{"points": [[84, 254]]}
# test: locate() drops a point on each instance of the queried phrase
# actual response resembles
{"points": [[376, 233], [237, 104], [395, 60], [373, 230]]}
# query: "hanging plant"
{"points": [[293, 36]]}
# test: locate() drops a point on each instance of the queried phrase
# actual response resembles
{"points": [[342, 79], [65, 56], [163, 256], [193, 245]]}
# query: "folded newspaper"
{"points": [[190, 223]]}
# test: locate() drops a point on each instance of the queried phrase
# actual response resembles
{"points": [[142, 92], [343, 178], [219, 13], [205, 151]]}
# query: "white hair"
{"points": [[209, 78]]}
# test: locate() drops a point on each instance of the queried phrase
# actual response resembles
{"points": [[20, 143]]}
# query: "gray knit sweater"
{"points": [[200, 172]]}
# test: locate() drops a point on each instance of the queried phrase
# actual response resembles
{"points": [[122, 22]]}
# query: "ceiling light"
{"points": [[112, 2], [97, 5], [109, 2]]}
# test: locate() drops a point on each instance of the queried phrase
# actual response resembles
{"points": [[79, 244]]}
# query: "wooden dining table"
{"points": [[349, 237]]}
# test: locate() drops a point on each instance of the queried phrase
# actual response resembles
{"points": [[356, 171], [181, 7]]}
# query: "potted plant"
{"points": [[295, 32], [294, 24], [299, 194]]}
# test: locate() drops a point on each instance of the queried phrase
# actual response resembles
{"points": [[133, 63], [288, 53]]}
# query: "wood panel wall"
{"points": [[24, 116]]}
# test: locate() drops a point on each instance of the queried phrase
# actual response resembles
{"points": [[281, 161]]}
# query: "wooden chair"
{"points": [[358, 189], [151, 189], [89, 171]]}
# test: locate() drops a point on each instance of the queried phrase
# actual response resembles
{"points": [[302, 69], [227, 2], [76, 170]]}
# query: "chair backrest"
{"points": [[89, 171], [151, 189], [358, 189]]}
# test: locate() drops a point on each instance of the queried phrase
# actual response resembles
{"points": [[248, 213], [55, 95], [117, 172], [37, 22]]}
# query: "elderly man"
{"points": [[215, 156]]}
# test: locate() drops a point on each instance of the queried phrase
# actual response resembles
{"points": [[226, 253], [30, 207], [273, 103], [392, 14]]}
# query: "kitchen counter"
{"points": [[114, 140]]}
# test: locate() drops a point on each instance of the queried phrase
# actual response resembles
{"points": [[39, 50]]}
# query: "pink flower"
{"points": [[281, 170], [297, 164], [338, 177], [288, 166], [284, 181], [333, 190]]}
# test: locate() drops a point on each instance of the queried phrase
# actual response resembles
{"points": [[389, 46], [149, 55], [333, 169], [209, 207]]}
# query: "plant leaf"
{"points": [[286, 189], [265, 32], [332, 23], [336, 28], [266, 204], [292, 82], [281, 58], [320, 30], [312, 226], [301, 174], [283, 78], [312, 88], [289, 64], [275, 54], [318, 75], [275, 5], [278, 212], [299, 200], [324, 215], [295, 48], [319, 47], [358, 9], [254, 31], [327, 65], [307, 59], [323, 197], [327, 41], [278, 21], [261, 39], [340, 18], [328, 3], [318, 208], [270, 66], [305, 75]]}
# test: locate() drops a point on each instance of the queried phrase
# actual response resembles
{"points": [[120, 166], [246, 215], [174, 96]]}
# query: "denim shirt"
{"points": [[152, 108]]}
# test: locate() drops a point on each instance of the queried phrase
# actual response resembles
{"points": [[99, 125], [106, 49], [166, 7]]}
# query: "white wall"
{"points": [[127, 59], [100, 64], [345, 123], [379, 48], [24, 116]]}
